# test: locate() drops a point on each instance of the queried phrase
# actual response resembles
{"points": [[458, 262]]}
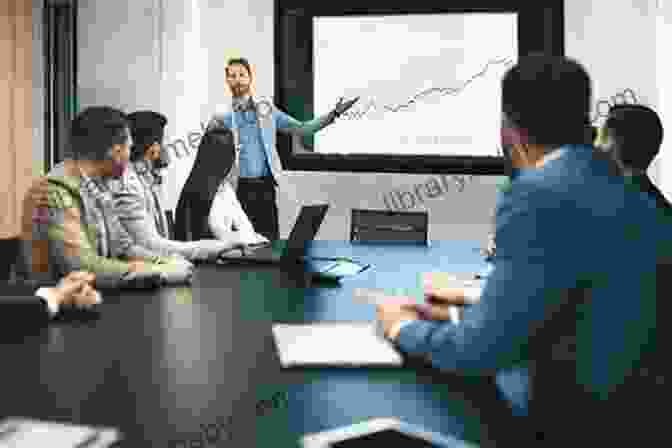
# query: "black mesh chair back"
{"points": [[388, 226]]}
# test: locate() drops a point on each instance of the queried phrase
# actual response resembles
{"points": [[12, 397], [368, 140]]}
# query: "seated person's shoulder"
{"points": [[62, 192], [527, 193]]}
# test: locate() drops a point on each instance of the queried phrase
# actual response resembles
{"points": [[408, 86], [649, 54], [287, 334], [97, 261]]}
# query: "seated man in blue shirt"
{"points": [[563, 298]]}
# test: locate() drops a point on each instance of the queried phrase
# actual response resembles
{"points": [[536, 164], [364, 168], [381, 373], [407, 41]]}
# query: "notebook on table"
{"points": [[345, 344], [18, 432]]}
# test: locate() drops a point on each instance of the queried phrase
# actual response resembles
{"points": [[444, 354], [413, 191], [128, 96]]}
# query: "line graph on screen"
{"points": [[371, 106], [459, 119]]}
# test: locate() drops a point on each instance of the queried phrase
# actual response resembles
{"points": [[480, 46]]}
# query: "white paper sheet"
{"points": [[30, 433], [334, 344]]}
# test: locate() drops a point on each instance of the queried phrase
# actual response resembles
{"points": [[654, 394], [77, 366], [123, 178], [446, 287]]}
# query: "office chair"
{"points": [[214, 160], [555, 393], [9, 251], [388, 226], [191, 223]]}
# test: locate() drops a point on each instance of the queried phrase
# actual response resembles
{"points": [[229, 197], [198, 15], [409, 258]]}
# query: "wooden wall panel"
{"points": [[16, 164]]}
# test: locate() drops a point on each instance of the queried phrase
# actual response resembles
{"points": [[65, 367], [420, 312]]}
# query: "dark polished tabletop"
{"points": [[181, 364]]}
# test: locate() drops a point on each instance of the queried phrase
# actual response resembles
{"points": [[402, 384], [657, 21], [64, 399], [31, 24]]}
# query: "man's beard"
{"points": [[240, 91]]}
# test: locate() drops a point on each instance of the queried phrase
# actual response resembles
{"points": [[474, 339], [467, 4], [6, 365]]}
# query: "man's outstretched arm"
{"points": [[285, 122]]}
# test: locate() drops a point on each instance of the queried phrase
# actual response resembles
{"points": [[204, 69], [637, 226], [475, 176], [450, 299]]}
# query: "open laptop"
{"points": [[305, 228]]}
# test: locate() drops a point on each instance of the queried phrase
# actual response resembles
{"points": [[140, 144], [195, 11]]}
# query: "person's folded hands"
{"points": [[87, 277], [75, 289], [86, 297]]}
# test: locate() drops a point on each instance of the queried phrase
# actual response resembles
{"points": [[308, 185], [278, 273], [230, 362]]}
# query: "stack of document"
{"points": [[19, 432], [347, 344]]}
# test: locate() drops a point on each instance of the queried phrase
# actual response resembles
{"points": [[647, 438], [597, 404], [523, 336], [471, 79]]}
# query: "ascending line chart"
{"points": [[460, 119], [372, 107]]}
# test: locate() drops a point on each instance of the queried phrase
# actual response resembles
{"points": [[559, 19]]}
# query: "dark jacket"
{"points": [[572, 295], [649, 187]]}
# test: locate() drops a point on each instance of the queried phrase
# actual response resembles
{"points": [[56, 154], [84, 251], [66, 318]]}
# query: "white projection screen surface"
{"points": [[428, 84]]}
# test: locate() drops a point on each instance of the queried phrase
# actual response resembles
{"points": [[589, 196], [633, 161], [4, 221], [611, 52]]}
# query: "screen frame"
{"points": [[540, 29]]}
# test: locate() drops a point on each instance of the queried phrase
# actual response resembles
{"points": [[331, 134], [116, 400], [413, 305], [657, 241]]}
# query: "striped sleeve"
{"points": [[137, 222], [129, 201], [70, 244]]}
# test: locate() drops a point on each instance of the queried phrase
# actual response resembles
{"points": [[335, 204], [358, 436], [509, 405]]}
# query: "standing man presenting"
{"points": [[254, 123]]}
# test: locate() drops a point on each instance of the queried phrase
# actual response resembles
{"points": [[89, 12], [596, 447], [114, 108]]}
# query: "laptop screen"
{"points": [[306, 227]]}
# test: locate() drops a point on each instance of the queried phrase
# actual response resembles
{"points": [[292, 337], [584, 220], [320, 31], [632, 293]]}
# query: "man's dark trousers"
{"points": [[258, 199]]}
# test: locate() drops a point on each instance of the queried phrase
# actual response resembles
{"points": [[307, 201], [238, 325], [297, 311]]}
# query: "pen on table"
{"points": [[332, 259]]}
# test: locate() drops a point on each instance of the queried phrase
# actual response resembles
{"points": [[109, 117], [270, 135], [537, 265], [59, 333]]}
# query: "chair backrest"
{"points": [[558, 402], [183, 221], [9, 250], [388, 226], [213, 164]]}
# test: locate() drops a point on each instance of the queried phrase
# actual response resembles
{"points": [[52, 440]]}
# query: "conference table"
{"points": [[182, 366]]}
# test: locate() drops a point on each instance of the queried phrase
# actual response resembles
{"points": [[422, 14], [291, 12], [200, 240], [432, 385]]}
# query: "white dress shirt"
{"points": [[227, 216]]}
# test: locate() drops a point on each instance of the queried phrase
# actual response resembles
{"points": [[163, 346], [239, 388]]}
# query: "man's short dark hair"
{"points": [[549, 98], [638, 131], [95, 130], [241, 61]]}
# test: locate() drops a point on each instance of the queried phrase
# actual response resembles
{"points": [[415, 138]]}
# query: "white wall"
{"points": [[117, 54], [616, 41], [135, 54]]}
